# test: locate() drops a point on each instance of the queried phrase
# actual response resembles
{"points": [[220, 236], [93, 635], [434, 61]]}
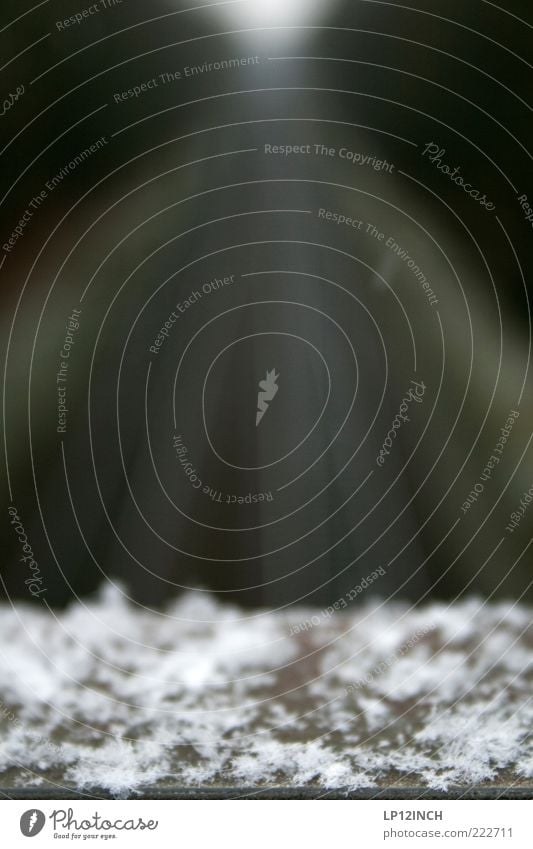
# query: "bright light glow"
{"points": [[251, 13]]}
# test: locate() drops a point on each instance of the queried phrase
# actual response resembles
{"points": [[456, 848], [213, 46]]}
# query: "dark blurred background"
{"points": [[179, 196]]}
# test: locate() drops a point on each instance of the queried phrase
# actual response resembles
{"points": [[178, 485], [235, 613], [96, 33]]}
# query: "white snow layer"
{"points": [[112, 696]]}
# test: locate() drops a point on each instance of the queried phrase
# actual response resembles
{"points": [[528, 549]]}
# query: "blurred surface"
{"points": [[198, 699]]}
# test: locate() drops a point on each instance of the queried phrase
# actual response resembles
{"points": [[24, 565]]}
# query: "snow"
{"points": [[110, 696]]}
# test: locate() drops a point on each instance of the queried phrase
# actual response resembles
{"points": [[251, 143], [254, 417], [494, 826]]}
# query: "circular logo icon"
{"points": [[32, 822]]}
